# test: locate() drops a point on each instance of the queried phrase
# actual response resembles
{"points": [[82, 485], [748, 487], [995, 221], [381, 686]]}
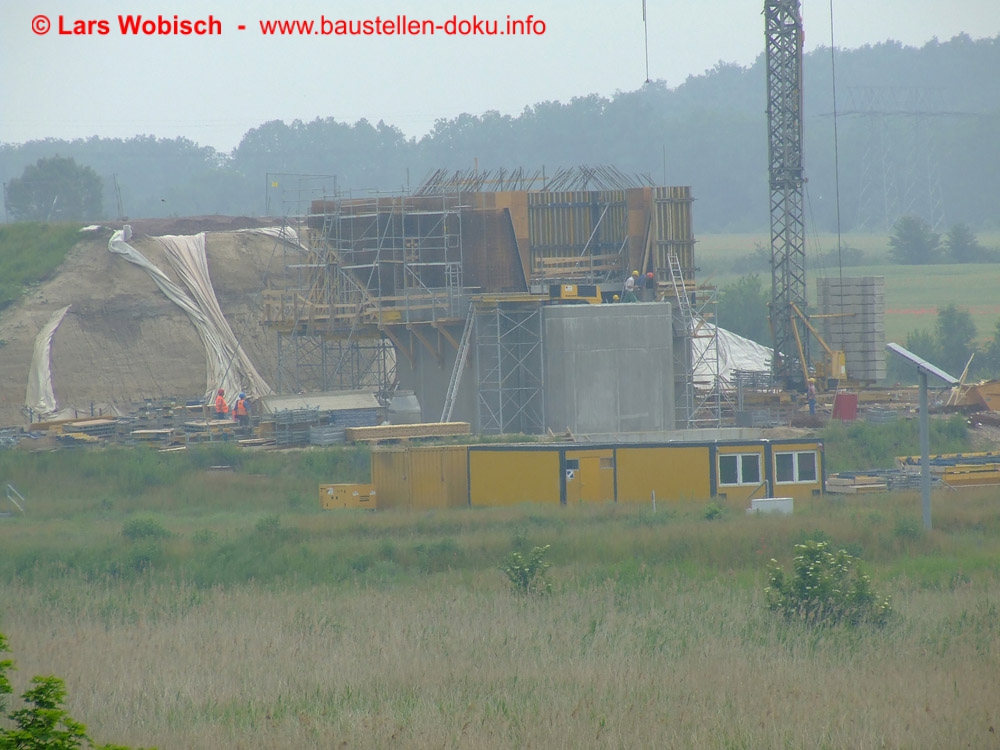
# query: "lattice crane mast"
{"points": [[783, 23]]}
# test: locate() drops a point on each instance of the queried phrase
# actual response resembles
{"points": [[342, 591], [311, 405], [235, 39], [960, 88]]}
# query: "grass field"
{"points": [[29, 253], [205, 609], [913, 293]]}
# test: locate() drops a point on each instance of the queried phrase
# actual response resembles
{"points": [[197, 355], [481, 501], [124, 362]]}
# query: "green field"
{"points": [[913, 293], [198, 608]]}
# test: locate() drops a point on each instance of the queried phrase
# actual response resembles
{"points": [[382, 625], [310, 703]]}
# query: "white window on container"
{"points": [[739, 468], [790, 468]]}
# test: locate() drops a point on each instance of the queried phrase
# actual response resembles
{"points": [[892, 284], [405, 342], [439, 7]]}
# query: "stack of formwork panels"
{"points": [[856, 326]]}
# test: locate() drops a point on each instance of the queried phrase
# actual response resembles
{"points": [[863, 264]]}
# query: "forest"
{"points": [[918, 134]]}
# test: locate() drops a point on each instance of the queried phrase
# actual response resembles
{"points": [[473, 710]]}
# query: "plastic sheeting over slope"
{"points": [[41, 397], [735, 353], [227, 365]]}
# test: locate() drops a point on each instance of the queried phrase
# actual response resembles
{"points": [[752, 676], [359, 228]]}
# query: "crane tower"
{"points": [[783, 23]]}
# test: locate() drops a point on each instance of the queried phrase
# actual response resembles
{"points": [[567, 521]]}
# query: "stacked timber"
{"points": [[847, 483], [387, 432]]}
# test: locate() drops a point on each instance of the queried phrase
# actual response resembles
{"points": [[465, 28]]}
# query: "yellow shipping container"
{"points": [[425, 477], [673, 472], [504, 475]]}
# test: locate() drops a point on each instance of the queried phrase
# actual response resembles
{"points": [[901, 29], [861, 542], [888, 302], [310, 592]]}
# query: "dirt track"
{"points": [[123, 341]]}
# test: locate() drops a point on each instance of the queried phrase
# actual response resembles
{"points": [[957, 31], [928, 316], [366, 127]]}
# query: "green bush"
{"points": [[526, 575], [714, 511], [143, 528], [825, 588]]}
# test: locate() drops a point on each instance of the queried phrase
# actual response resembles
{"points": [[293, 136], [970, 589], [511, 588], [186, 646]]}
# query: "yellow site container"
{"points": [[590, 476], [337, 496], [741, 471], [424, 477], [498, 475], [795, 468], [673, 472], [509, 475]]}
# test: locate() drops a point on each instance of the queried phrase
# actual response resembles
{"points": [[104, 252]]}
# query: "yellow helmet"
{"points": [[635, 273]]}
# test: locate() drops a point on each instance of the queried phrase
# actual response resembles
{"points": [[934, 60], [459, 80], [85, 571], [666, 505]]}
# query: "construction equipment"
{"points": [[575, 294], [783, 54], [830, 373]]}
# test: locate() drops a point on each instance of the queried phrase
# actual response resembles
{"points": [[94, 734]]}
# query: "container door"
{"points": [[597, 479], [573, 480]]}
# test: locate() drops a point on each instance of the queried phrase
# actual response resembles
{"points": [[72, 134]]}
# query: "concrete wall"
{"points": [[429, 379], [609, 368]]}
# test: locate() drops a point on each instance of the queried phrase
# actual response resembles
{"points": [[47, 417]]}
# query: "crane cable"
{"points": [[836, 169]]}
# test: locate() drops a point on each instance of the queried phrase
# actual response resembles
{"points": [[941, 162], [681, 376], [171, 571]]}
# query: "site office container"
{"points": [[420, 478], [509, 475], [796, 468], [498, 475]]}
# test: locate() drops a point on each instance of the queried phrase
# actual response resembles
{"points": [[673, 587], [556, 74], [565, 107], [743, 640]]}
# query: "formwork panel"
{"points": [[510, 477]]}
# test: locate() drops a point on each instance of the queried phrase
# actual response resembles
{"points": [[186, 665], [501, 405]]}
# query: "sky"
{"points": [[212, 88]]}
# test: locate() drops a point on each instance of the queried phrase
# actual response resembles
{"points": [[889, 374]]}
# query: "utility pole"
{"points": [[783, 24]]}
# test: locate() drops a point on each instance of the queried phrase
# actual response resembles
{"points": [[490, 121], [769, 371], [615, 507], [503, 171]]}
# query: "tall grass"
{"points": [[859, 446], [457, 661], [29, 253], [212, 609]]}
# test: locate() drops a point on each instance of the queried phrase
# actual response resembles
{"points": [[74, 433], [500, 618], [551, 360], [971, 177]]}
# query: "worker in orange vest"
{"points": [[221, 407], [240, 411]]}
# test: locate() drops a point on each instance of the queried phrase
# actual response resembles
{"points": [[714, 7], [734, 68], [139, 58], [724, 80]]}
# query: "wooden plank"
{"points": [[402, 431]]}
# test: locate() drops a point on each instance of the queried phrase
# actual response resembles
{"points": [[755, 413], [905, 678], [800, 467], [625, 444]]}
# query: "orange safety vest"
{"points": [[220, 405], [241, 407]]}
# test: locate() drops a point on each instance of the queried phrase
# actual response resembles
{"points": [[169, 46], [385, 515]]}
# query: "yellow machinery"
{"points": [[831, 373], [575, 294]]}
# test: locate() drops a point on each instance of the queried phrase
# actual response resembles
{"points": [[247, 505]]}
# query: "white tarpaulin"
{"points": [[226, 363], [735, 353], [41, 397], [285, 235]]}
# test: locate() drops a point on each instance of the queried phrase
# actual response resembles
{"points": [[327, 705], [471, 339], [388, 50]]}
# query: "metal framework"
{"points": [[509, 362], [900, 165], [317, 363], [783, 22]]}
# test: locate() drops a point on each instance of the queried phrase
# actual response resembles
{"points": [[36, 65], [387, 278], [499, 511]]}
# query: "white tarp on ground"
{"points": [[286, 235], [735, 353], [41, 397], [227, 364]]}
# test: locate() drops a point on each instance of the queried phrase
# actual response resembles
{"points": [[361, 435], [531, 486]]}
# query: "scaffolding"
{"points": [[388, 276], [510, 396], [899, 174]]}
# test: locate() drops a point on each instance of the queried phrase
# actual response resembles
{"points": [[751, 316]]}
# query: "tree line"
{"points": [[919, 134]]}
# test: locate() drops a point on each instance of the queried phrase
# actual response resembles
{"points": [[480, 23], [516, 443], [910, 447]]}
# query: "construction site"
{"points": [[484, 302]]}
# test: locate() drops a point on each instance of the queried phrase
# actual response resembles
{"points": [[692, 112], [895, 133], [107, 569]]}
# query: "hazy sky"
{"points": [[212, 89]]}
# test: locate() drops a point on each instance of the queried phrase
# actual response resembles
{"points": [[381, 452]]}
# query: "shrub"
{"points": [[825, 588], [143, 528], [714, 511], [526, 575]]}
